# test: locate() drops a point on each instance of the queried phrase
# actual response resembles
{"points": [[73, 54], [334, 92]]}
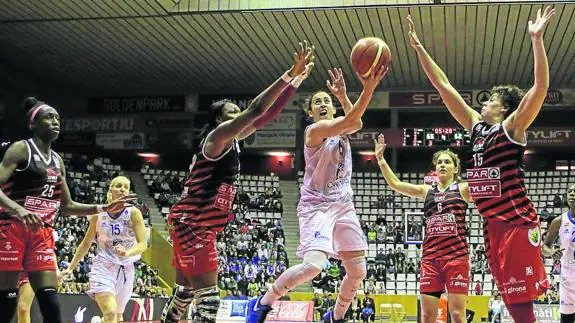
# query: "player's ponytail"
{"points": [[216, 110], [32, 106]]}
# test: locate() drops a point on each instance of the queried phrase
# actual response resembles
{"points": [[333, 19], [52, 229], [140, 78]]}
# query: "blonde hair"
{"points": [[114, 181], [454, 159]]}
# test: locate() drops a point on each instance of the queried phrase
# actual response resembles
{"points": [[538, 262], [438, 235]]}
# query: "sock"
{"points": [[177, 305], [8, 304]]}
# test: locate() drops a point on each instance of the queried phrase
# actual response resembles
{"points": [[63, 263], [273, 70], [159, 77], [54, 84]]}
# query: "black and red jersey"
{"points": [[36, 184], [496, 176], [445, 231], [209, 190]]}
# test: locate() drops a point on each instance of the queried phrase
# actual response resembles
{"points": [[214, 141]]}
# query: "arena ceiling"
{"points": [[110, 47]]}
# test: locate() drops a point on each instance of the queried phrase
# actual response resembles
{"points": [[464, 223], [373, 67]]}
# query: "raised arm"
{"points": [[322, 129], [552, 233], [222, 137], [338, 89], [531, 104], [463, 113], [412, 190], [140, 232]]}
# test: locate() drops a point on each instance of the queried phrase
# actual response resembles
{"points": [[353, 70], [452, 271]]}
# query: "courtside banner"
{"points": [[271, 139], [232, 311], [137, 104], [81, 309], [544, 313], [291, 311]]}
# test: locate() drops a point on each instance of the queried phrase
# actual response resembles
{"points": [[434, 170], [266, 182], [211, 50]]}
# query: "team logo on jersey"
{"points": [[41, 205], [529, 270], [318, 235], [534, 236], [478, 144], [439, 197], [8, 246], [52, 175]]}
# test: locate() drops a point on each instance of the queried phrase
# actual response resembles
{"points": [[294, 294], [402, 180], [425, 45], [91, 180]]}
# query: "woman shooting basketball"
{"points": [[564, 227], [445, 260], [511, 225], [328, 223]]}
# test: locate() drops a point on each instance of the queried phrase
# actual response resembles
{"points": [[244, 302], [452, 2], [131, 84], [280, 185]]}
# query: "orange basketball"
{"points": [[368, 54]]}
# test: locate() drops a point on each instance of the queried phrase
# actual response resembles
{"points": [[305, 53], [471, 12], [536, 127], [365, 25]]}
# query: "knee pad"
{"points": [[356, 268], [47, 298], [207, 303], [8, 304], [315, 258], [177, 305]]}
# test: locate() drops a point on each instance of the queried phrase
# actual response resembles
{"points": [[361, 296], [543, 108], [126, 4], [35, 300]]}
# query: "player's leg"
{"points": [[25, 299], [350, 245], [316, 236], [196, 263], [456, 275], [107, 304], [12, 240], [44, 284], [124, 289], [567, 298], [430, 287]]}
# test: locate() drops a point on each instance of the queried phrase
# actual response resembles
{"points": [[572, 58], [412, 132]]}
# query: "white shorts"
{"points": [[330, 228], [118, 280], [567, 295]]}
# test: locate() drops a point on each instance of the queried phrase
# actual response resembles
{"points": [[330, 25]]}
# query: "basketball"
{"points": [[368, 54]]}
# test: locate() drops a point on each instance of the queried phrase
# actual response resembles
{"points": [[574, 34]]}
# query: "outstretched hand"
{"points": [[379, 146], [374, 78], [536, 28], [121, 203], [301, 59], [337, 84], [413, 39]]}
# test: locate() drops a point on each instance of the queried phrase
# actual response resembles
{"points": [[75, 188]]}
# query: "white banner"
{"points": [[285, 121], [271, 139], [121, 140], [232, 311], [97, 124], [544, 313]]}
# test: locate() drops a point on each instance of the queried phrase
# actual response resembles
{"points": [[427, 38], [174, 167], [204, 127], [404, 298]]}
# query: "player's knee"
{"points": [[48, 302], [356, 268], [457, 315], [208, 302], [429, 316], [314, 261]]}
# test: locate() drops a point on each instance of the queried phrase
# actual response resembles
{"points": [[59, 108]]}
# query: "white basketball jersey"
{"points": [[327, 175], [112, 232], [567, 242]]}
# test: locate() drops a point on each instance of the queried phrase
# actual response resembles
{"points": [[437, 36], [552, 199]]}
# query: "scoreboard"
{"points": [[430, 137]]}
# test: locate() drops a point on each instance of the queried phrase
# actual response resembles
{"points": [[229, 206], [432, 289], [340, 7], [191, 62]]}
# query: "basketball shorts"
{"points": [[514, 257], [195, 251], [439, 275], [331, 228], [567, 295], [22, 249], [116, 279]]}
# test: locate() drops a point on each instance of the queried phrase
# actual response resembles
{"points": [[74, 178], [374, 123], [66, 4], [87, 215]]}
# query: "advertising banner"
{"points": [[104, 124], [422, 99], [241, 100], [137, 104], [81, 309], [546, 136], [544, 313], [121, 140], [232, 311], [271, 139], [76, 139], [291, 311], [365, 137]]}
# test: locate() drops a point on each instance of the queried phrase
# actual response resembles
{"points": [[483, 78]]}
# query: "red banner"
{"points": [[291, 312], [422, 99]]}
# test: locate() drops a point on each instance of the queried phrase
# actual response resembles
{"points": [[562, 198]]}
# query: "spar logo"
{"points": [[480, 174], [35, 203]]}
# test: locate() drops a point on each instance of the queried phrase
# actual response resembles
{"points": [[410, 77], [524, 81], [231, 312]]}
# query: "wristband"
{"points": [[100, 208], [286, 78], [296, 82]]}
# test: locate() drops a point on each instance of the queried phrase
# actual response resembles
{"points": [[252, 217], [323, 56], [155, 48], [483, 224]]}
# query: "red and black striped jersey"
{"points": [[36, 184], [445, 232], [496, 176], [209, 190]]}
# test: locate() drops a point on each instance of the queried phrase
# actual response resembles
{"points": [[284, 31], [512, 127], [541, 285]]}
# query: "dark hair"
{"points": [[307, 105], [30, 103], [216, 110], [510, 96]]}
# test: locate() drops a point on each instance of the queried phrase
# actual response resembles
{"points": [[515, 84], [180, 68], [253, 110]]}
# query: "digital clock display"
{"points": [[429, 137]]}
